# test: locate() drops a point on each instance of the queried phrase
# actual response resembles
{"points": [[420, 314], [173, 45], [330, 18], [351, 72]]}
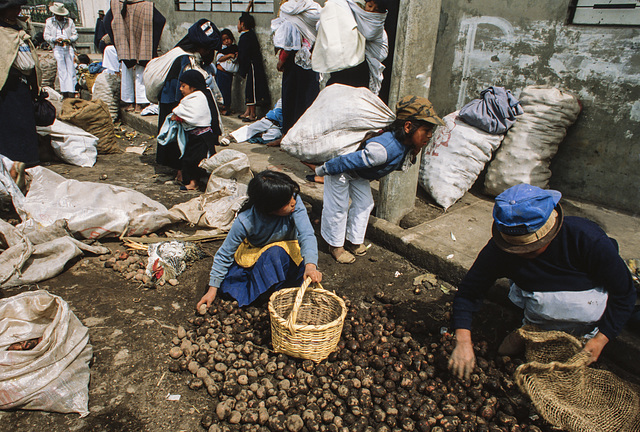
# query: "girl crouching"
{"points": [[271, 244]]}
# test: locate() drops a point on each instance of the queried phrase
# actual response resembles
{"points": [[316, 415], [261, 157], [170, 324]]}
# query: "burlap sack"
{"points": [[571, 395], [93, 117]]}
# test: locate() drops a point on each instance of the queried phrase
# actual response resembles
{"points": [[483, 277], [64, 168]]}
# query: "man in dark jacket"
{"points": [[567, 275], [99, 31]]}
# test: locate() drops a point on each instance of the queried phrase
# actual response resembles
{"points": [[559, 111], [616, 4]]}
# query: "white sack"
{"points": [[71, 144], [335, 123], [92, 210], [156, 71], [531, 143], [38, 253], [226, 192], [53, 376], [454, 158]]}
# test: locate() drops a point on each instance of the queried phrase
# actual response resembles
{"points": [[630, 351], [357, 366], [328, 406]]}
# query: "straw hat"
{"points": [[58, 9]]}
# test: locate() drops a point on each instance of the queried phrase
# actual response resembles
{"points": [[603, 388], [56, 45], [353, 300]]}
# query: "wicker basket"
{"points": [[306, 322]]}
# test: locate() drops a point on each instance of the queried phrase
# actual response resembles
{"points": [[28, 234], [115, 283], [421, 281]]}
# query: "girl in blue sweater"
{"points": [[347, 177], [270, 245]]}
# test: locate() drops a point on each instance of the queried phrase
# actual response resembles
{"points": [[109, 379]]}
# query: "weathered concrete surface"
{"points": [[514, 44]]}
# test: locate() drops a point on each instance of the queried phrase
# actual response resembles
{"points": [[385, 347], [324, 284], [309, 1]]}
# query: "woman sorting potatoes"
{"points": [[270, 245]]}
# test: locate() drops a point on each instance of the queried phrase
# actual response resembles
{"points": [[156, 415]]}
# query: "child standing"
{"points": [[226, 66], [199, 117], [251, 66], [270, 244], [347, 177]]}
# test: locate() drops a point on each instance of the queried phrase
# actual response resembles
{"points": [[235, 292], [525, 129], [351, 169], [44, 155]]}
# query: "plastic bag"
{"points": [[93, 210], [54, 375], [454, 158], [335, 123], [71, 144]]}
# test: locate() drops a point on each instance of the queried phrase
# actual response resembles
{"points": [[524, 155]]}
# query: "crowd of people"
{"points": [[566, 272]]}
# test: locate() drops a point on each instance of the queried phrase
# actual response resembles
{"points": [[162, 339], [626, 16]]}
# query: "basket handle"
{"points": [[293, 316]]}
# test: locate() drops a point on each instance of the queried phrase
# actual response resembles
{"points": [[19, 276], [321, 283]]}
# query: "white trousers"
{"points": [[132, 85], [574, 312], [263, 126], [64, 56], [343, 219]]}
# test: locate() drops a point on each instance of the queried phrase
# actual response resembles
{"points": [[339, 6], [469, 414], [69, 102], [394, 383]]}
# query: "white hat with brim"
{"points": [[58, 9]]}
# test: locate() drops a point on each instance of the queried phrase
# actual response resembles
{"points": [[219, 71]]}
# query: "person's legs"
{"points": [[289, 95], [334, 215], [250, 94], [224, 80], [140, 92], [359, 211], [127, 85], [194, 153], [65, 68]]}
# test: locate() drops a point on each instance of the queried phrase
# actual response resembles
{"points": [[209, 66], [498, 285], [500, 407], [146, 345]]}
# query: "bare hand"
{"points": [[311, 271], [280, 66], [463, 359], [595, 345], [208, 298]]}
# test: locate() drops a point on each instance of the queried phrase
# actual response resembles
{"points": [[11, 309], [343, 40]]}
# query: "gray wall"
{"points": [[179, 22], [515, 43]]}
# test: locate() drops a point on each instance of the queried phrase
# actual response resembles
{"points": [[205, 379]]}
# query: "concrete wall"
{"points": [[515, 43], [179, 22]]}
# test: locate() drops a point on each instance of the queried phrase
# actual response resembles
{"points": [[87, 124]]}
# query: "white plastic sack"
{"points": [[531, 143], [156, 71], [92, 210], [335, 123], [38, 253], [339, 45], [226, 192], [71, 144], [53, 376], [454, 158]]}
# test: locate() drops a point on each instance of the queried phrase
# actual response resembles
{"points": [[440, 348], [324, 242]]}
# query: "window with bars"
{"points": [[264, 6], [605, 12]]}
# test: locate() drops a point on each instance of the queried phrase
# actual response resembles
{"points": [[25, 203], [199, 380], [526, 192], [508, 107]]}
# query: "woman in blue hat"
{"points": [[566, 275]]}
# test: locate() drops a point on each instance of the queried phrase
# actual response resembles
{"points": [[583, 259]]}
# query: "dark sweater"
{"points": [[580, 258]]}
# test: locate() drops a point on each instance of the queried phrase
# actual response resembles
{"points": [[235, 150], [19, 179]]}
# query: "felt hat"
{"points": [[58, 9], [101, 12], [417, 108], [526, 218], [205, 33], [10, 3], [194, 78]]}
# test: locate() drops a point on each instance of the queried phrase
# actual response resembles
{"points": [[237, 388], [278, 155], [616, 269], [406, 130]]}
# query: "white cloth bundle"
{"points": [[194, 110]]}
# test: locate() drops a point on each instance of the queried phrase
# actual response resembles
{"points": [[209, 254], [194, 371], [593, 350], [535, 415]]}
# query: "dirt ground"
{"points": [[131, 327]]}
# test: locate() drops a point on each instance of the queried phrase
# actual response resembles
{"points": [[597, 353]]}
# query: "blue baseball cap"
{"points": [[526, 218]]}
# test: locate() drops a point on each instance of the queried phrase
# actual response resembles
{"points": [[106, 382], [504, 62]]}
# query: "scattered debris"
{"points": [[173, 397], [452, 236], [429, 278], [449, 256]]}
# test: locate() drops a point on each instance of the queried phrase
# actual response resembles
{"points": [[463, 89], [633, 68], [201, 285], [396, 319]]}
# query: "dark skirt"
{"points": [[274, 270], [357, 76], [198, 146], [19, 139], [224, 80], [257, 89], [300, 88], [167, 155]]}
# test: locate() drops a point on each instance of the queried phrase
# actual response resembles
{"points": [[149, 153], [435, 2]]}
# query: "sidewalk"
{"points": [[445, 243]]}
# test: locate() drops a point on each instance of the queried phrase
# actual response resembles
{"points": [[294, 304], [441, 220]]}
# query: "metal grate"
{"points": [[259, 6]]}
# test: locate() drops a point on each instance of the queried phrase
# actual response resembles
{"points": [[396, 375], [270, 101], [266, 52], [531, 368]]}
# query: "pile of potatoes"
{"points": [[379, 379]]}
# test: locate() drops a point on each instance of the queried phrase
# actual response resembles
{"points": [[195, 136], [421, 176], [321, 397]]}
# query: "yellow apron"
{"points": [[246, 255]]}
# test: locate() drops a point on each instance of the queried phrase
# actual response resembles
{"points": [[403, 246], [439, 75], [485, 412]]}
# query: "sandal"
{"points": [[249, 119], [344, 258], [357, 250]]}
